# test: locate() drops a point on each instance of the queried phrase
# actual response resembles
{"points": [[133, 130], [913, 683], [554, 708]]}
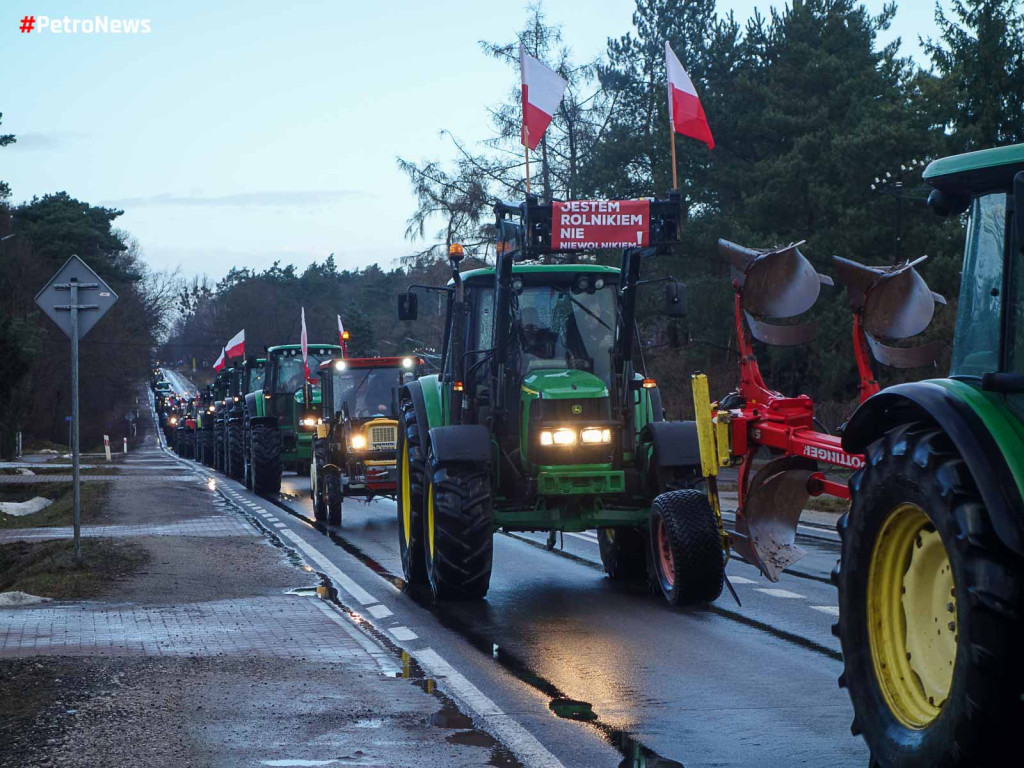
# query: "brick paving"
{"points": [[286, 627], [221, 525]]}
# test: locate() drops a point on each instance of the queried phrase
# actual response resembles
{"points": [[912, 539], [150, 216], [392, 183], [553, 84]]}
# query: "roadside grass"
{"points": [[94, 496], [48, 568]]}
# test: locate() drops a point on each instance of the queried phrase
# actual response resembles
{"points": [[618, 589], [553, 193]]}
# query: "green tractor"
{"points": [[204, 439], [281, 416], [354, 453], [245, 377], [540, 420], [221, 388], [931, 581]]}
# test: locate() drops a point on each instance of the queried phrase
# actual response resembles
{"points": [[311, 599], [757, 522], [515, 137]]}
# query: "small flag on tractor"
{"points": [[342, 338], [221, 362], [685, 112], [236, 346], [304, 342]]}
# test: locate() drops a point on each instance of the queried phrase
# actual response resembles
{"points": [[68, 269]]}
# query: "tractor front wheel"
{"points": [[930, 615], [333, 497], [687, 561], [316, 480], [411, 472], [235, 465], [266, 459], [458, 532], [623, 552]]}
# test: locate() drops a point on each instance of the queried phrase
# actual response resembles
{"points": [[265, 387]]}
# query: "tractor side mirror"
{"points": [[1018, 207], [408, 306], [675, 299], [947, 204]]}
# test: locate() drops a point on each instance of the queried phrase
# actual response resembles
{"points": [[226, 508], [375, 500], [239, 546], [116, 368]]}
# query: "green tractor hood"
{"points": [[570, 384]]}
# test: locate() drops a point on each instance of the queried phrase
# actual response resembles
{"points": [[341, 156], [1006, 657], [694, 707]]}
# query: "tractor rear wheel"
{"points": [[623, 552], [234, 468], [208, 447], [930, 616], [686, 555], [411, 473], [333, 497], [266, 459], [247, 458], [458, 531], [316, 479], [218, 447]]}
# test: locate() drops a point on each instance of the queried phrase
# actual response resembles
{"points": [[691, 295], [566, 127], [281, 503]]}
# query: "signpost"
{"points": [[60, 300]]}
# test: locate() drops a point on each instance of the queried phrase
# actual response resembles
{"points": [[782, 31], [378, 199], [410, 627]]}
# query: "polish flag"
{"points": [[304, 342], [684, 109], [542, 93], [236, 346], [221, 362]]}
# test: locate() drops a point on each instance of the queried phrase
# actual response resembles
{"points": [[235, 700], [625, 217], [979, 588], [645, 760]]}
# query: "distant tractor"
{"points": [[354, 453], [931, 575], [281, 416], [543, 420], [204, 427]]}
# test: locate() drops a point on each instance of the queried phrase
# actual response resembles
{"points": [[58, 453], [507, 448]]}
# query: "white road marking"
{"points": [[279, 525], [379, 611], [403, 633], [522, 743], [741, 580], [326, 566], [831, 610], [585, 537], [783, 593]]}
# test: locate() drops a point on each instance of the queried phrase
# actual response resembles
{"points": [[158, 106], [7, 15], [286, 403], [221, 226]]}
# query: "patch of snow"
{"points": [[47, 450], [25, 471], [22, 508], [18, 599]]}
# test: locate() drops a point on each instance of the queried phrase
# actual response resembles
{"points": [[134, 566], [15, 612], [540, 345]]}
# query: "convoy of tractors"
{"points": [[542, 417]]}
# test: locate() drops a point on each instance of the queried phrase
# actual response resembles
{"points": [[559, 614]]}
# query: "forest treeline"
{"points": [[821, 133]]}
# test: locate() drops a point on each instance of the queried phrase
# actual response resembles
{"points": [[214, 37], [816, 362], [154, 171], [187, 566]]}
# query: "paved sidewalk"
{"points": [[216, 653]]}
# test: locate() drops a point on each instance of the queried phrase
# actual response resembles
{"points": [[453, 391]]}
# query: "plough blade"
{"points": [[779, 283], [766, 529]]}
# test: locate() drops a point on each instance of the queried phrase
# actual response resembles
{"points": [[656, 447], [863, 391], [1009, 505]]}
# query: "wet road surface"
{"points": [[603, 674]]}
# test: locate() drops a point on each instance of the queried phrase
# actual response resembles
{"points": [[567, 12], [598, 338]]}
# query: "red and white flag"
{"points": [[236, 346], [304, 343], [221, 362], [684, 109], [542, 93]]}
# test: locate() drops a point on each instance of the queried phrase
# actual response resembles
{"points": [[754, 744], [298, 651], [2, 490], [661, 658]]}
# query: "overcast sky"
{"points": [[240, 133]]}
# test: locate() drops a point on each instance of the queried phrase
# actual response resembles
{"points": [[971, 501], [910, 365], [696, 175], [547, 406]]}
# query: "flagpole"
{"points": [[526, 146], [672, 135]]}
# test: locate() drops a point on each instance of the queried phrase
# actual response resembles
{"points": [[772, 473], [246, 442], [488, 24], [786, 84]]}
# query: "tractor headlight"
{"points": [[407, 362], [561, 436], [592, 435], [358, 442], [174, 420], [307, 422]]}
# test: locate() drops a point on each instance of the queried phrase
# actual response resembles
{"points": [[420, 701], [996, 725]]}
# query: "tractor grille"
{"points": [[383, 437], [570, 413]]}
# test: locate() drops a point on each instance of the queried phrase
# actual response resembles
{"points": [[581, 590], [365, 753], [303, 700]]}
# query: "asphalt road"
{"points": [[725, 686], [179, 383]]}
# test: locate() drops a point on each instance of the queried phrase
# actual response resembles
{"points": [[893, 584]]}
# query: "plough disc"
{"points": [[765, 532]]}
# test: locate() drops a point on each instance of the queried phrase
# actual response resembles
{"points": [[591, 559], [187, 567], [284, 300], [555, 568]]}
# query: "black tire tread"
{"points": [[266, 459], [696, 543]]}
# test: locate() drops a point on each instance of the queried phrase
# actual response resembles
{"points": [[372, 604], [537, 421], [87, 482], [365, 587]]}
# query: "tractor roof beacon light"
{"points": [[456, 253]]}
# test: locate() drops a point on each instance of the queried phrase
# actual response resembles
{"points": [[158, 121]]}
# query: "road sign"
{"points": [[94, 296], [75, 299]]}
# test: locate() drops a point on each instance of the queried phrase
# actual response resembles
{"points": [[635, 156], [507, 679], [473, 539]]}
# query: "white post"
{"points": [[126, 445], [106, 446]]}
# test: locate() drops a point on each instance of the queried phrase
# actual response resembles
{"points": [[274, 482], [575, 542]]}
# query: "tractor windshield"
{"points": [[563, 327], [976, 340], [366, 392], [290, 372], [256, 376]]}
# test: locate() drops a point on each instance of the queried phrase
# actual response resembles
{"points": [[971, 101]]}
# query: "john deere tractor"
{"points": [[356, 435], [280, 416], [931, 582], [245, 377], [541, 420]]}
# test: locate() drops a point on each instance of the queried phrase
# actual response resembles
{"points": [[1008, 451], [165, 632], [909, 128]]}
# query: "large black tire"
{"points": [[686, 555], [458, 531], [266, 459], [218, 446], [235, 464], [247, 458], [316, 479], [207, 447], [623, 552], [411, 473], [333, 497], [913, 476]]}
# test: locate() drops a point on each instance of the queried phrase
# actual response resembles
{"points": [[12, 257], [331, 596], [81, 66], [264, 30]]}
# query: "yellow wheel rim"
{"points": [[911, 602], [406, 501], [430, 519]]}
